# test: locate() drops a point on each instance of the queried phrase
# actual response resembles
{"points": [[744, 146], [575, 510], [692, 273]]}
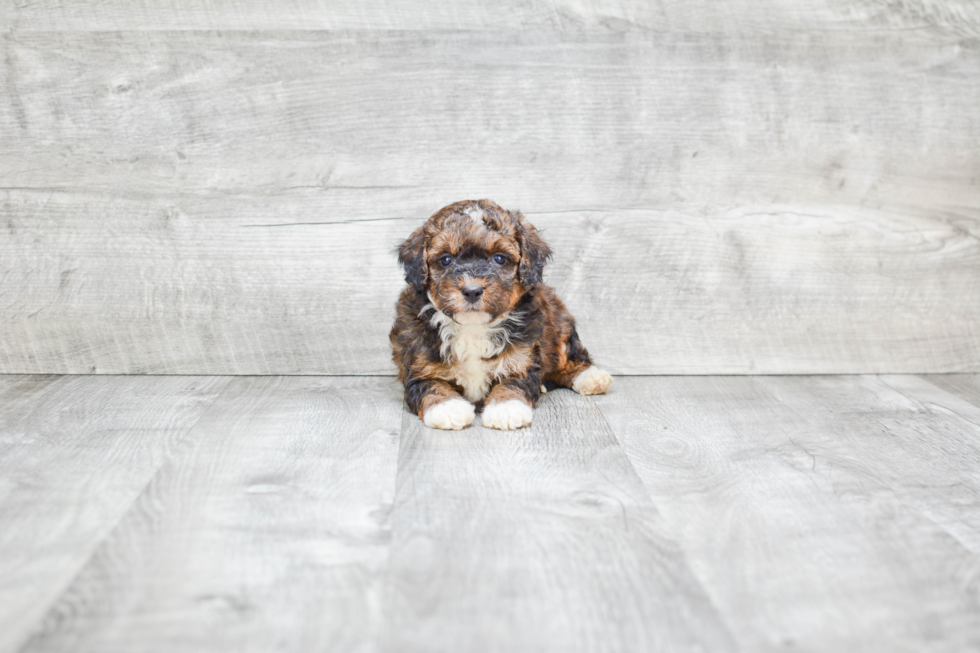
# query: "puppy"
{"points": [[476, 328]]}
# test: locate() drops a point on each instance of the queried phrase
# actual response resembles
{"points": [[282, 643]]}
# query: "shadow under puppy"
{"points": [[476, 327]]}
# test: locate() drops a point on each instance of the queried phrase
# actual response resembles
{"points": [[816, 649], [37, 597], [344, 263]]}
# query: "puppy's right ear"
{"points": [[534, 252], [411, 254]]}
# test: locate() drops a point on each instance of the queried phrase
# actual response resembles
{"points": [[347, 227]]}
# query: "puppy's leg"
{"points": [[574, 369], [438, 404], [510, 403], [583, 378]]}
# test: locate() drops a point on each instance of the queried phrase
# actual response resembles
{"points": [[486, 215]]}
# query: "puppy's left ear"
{"points": [[411, 254], [534, 252]]}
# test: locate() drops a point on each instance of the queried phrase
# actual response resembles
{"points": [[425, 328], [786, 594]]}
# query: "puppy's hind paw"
{"points": [[451, 415], [592, 381], [507, 415]]}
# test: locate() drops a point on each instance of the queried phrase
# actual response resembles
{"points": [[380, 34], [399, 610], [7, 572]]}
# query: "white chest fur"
{"points": [[470, 349]]}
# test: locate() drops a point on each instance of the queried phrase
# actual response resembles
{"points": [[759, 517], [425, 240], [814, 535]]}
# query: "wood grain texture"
{"points": [[819, 514], [938, 466], [964, 386], [172, 285], [811, 508], [543, 120], [688, 15], [541, 539], [761, 201], [74, 455], [269, 532]]}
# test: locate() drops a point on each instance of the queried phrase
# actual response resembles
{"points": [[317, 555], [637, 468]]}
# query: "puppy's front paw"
{"points": [[452, 414], [592, 381], [507, 415]]}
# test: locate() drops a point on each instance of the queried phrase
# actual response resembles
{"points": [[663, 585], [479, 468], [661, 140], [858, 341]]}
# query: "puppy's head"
{"points": [[474, 260]]}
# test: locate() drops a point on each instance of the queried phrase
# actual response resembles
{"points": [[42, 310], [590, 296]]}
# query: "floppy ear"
{"points": [[411, 254], [534, 253]]}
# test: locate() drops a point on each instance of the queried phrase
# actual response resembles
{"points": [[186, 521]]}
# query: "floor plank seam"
{"points": [[704, 586], [38, 629]]}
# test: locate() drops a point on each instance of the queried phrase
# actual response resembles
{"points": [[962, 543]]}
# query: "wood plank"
{"points": [[679, 15], [269, 533], [268, 286], [74, 455], [164, 192], [806, 506], [964, 386], [826, 514], [920, 442], [161, 287], [757, 290], [938, 468], [542, 539], [537, 119]]}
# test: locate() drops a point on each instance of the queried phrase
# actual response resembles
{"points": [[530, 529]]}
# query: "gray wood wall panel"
{"points": [[76, 452], [741, 200], [546, 121], [681, 15], [169, 285]]}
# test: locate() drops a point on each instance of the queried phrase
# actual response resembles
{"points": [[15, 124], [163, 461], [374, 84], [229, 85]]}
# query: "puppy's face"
{"points": [[474, 260]]}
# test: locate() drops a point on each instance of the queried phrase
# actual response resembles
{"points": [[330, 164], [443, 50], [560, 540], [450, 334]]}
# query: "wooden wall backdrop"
{"points": [[216, 187]]}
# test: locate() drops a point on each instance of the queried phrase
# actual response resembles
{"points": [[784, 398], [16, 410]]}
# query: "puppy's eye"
{"points": [[499, 259], [445, 261]]}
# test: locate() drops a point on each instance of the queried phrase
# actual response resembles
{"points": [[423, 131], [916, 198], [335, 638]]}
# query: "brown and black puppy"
{"points": [[476, 327]]}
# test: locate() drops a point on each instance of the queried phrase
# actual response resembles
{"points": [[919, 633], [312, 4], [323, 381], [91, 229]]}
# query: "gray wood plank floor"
{"points": [[812, 513]]}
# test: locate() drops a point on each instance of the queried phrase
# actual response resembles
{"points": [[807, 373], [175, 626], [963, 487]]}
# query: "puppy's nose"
{"points": [[472, 292]]}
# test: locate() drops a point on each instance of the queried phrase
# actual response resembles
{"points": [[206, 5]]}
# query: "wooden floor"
{"points": [[807, 513]]}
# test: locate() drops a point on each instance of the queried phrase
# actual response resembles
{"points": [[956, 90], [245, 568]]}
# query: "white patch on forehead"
{"points": [[475, 213]]}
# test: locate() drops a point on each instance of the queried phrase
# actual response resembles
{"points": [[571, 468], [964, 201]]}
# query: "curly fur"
{"points": [[476, 321]]}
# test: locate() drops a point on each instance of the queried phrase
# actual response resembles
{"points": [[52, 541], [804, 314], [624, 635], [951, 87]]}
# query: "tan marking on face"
{"points": [[516, 292], [442, 243], [457, 235], [502, 245]]}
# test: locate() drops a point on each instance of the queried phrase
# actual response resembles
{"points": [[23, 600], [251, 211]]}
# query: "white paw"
{"points": [[452, 414], [592, 381], [507, 415]]}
